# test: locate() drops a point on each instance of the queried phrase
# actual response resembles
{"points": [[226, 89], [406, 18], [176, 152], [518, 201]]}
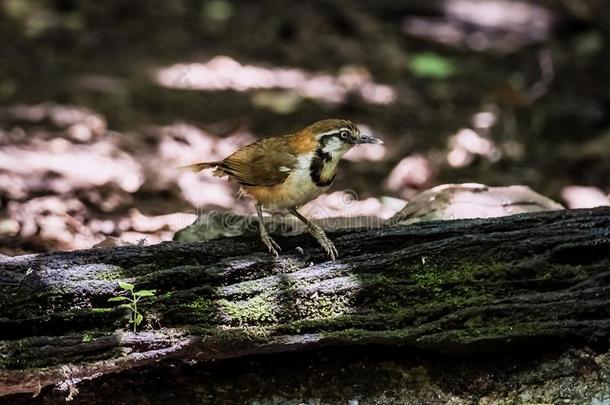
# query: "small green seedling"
{"points": [[132, 302]]}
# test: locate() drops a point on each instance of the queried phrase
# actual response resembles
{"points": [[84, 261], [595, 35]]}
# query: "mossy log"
{"points": [[460, 287]]}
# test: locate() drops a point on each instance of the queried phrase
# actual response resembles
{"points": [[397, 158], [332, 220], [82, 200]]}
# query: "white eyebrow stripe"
{"points": [[284, 169], [334, 131]]}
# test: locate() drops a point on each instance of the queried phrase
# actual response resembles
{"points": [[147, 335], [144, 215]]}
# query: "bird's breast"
{"points": [[299, 188]]}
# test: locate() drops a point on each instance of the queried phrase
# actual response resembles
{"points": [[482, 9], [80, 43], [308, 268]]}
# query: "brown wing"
{"points": [[263, 163]]}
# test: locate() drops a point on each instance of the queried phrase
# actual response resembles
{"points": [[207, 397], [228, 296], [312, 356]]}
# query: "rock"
{"points": [[470, 200]]}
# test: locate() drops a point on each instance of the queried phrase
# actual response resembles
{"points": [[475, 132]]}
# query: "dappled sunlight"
{"points": [[181, 143], [466, 144], [484, 120], [170, 222], [60, 166], [225, 73], [484, 24], [498, 14], [347, 204], [584, 197], [58, 223], [412, 173], [202, 190], [66, 224], [93, 175], [80, 123]]}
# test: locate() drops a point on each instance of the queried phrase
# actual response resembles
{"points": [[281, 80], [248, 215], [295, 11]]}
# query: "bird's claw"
{"points": [[327, 245], [271, 245]]}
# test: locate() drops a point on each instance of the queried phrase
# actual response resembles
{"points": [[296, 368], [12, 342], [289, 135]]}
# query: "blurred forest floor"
{"points": [[100, 101]]}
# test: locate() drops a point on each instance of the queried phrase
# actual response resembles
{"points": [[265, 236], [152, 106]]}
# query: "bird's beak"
{"points": [[369, 139]]}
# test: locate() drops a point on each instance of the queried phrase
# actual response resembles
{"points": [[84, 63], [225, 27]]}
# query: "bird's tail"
{"points": [[197, 167]]}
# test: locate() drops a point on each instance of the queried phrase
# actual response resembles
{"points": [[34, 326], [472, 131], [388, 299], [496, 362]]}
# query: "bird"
{"points": [[288, 171]]}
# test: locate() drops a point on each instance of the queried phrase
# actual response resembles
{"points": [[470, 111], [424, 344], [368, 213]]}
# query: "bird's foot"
{"points": [[326, 244], [271, 244]]}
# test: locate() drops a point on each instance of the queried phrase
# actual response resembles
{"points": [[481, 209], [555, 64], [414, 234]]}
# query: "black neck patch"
{"points": [[318, 161]]}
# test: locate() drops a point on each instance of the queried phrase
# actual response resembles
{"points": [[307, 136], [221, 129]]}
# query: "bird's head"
{"points": [[335, 136]]}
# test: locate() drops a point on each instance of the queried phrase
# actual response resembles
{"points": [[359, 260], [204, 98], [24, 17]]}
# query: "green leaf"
{"points": [[432, 65], [139, 319], [126, 286], [145, 293], [118, 299]]}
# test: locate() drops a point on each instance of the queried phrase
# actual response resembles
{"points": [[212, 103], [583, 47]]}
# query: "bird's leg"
{"points": [[270, 243], [317, 233]]}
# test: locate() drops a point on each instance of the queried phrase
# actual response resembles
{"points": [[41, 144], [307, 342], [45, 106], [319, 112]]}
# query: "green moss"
{"points": [[248, 288], [234, 338], [201, 305], [326, 308], [114, 273], [256, 310], [102, 310], [431, 276], [201, 309], [332, 306]]}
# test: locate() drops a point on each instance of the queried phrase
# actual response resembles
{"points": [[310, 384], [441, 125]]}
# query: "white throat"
{"points": [[336, 148]]}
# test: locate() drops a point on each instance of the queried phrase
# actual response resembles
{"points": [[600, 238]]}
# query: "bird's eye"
{"points": [[344, 134]]}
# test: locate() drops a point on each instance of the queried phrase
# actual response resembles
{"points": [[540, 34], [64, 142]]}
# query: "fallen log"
{"points": [[455, 287]]}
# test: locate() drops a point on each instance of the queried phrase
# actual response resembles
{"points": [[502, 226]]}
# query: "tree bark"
{"points": [[455, 287]]}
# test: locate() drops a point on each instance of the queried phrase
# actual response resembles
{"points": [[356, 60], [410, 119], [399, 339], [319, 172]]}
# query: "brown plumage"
{"points": [[288, 171]]}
